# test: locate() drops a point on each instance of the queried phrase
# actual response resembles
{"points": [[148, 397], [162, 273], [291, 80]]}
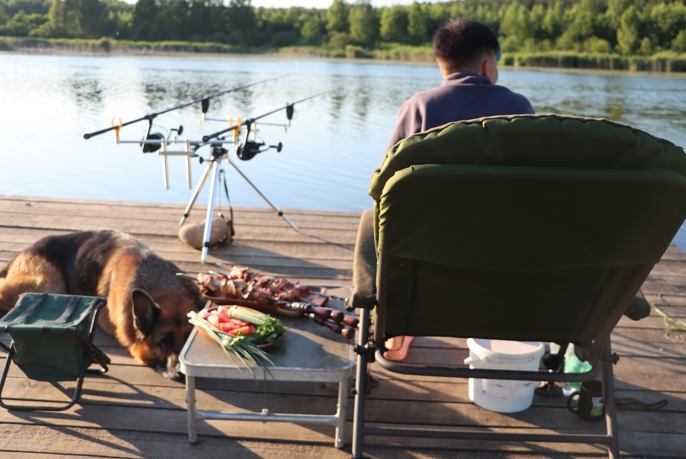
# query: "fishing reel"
{"points": [[251, 148], [151, 147]]}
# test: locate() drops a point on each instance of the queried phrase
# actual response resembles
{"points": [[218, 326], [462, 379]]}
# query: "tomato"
{"points": [[240, 323], [243, 331], [227, 327], [224, 316], [253, 328]]}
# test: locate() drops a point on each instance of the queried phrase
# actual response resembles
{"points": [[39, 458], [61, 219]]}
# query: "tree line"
{"points": [[626, 27]]}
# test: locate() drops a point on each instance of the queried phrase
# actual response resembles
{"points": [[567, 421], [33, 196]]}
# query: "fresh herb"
{"points": [[245, 348]]}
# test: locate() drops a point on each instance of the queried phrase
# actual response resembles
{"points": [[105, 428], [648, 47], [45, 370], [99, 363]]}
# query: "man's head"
{"points": [[461, 45]]}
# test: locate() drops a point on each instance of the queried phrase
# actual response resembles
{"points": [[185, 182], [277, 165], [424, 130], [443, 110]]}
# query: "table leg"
{"points": [[190, 402], [340, 412]]}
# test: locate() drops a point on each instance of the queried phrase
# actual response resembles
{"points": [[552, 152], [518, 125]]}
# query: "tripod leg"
{"points": [[276, 209], [196, 192], [210, 211]]}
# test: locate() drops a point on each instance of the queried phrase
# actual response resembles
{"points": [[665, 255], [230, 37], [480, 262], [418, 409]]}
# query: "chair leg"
{"points": [[75, 398], [363, 352], [608, 381]]}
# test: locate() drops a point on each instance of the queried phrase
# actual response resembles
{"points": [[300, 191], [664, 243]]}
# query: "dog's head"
{"points": [[162, 328]]}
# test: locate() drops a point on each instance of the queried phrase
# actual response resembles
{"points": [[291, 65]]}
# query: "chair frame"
{"points": [[87, 361], [598, 353]]}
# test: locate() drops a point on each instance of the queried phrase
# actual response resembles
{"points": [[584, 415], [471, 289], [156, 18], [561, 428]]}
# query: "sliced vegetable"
{"points": [[227, 327], [242, 334], [240, 331]]}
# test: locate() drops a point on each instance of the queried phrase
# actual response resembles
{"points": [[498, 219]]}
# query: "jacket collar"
{"points": [[465, 78]]}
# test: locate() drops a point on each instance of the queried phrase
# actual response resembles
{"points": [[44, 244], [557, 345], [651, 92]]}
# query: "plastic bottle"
{"points": [[573, 365]]}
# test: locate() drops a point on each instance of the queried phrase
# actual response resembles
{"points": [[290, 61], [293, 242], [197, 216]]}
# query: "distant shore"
{"points": [[665, 62]]}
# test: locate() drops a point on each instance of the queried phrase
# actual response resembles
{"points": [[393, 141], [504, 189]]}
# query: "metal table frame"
{"points": [[333, 362]]}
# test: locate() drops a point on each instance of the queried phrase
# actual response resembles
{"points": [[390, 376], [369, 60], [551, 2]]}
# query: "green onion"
{"points": [[243, 347], [247, 315]]}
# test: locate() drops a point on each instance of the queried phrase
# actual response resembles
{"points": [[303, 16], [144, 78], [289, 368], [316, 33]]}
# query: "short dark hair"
{"points": [[462, 41]]}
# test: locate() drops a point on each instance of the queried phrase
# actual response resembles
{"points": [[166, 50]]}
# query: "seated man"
{"points": [[467, 53]]}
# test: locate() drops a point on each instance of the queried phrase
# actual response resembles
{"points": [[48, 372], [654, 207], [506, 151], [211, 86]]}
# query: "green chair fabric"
{"points": [[526, 227], [52, 341], [516, 221], [48, 346]]}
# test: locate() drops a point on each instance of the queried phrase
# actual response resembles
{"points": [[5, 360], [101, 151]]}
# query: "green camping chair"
{"points": [[52, 341], [528, 228]]}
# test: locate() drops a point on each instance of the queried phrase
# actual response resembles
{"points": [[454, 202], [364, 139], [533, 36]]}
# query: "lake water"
{"points": [[334, 144]]}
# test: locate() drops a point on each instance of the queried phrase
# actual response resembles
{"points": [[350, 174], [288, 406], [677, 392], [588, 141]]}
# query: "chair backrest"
{"points": [[522, 227]]}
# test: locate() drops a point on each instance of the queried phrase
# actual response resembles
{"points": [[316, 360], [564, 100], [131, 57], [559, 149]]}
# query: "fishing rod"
{"points": [[204, 105], [249, 148]]}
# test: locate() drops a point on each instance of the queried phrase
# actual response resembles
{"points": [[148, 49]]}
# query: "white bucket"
{"points": [[497, 394]]}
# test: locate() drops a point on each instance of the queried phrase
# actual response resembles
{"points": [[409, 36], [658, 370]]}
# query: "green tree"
{"points": [[337, 18], [586, 14], [394, 24], [312, 30], [4, 17], [22, 24], [627, 34], [679, 43], [615, 9], [416, 24], [364, 24], [516, 26], [143, 15], [240, 22], [553, 23], [668, 20], [64, 20], [91, 18]]}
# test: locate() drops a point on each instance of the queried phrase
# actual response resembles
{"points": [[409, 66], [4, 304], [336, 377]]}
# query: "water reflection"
{"points": [[86, 91], [334, 144]]}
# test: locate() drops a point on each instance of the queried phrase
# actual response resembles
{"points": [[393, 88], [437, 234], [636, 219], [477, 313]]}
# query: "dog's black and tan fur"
{"points": [[147, 302]]}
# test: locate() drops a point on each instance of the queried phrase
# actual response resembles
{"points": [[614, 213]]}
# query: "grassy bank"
{"points": [[661, 62]]}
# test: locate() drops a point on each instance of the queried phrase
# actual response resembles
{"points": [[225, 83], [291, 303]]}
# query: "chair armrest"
{"points": [[364, 265]]}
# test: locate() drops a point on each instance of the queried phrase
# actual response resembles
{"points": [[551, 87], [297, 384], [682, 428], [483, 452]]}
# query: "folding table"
{"points": [[312, 354]]}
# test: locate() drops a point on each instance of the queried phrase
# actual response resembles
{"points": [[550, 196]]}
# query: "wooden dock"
{"points": [[132, 412]]}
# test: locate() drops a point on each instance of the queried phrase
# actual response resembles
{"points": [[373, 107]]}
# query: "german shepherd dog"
{"points": [[147, 302]]}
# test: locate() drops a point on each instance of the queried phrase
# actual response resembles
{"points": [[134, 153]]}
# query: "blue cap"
{"points": [[498, 54]]}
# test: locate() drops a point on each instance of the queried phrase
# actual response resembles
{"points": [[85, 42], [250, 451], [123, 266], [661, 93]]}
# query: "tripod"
{"points": [[212, 169]]}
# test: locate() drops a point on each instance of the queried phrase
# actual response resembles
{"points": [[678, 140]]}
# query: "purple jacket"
{"points": [[461, 96]]}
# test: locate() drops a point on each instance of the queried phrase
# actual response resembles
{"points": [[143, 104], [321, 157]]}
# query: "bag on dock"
{"points": [[52, 340]]}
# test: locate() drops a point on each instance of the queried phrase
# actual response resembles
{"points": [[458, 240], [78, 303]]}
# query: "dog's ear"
{"points": [[145, 311], [192, 291]]}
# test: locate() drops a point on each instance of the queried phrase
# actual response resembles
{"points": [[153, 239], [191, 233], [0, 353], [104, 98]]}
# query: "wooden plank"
{"points": [[134, 397], [275, 260], [144, 216], [125, 444], [163, 205], [156, 227], [309, 249], [141, 418]]}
